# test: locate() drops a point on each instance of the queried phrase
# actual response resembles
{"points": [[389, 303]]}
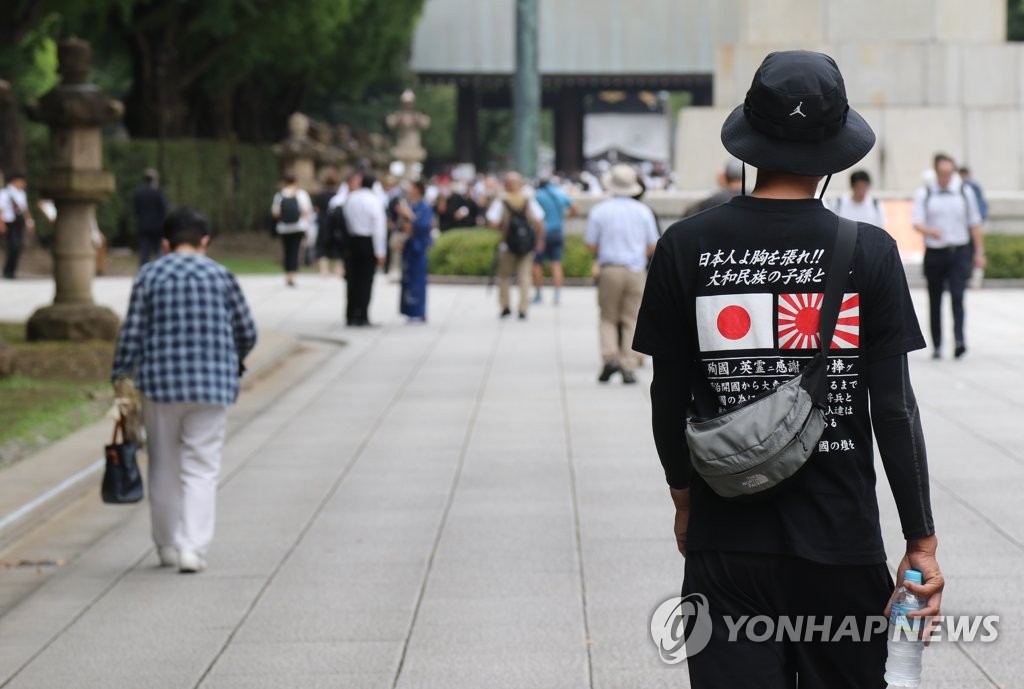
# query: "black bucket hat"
{"points": [[796, 118]]}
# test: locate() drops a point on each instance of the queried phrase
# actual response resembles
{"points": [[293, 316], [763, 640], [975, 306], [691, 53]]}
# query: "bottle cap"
{"points": [[913, 576]]}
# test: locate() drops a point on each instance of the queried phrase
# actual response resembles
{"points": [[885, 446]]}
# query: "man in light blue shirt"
{"points": [[947, 214], [557, 206], [622, 234]]}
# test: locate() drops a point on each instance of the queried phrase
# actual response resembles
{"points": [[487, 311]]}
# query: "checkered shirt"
{"points": [[188, 327]]}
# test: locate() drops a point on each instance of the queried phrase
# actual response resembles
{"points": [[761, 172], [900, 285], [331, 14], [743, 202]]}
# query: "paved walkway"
{"points": [[461, 505]]}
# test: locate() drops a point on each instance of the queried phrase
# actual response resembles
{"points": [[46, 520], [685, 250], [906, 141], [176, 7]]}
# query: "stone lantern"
{"points": [[408, 123], [299, 153], [75, 110]]}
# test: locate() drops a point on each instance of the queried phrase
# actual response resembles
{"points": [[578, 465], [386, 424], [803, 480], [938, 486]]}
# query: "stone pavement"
{"points": [[460, 504]]}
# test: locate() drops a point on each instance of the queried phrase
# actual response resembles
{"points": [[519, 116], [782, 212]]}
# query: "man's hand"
{"points": [[980, 261], [681, 498], [920, 555], [933, 232], [380, 262]]}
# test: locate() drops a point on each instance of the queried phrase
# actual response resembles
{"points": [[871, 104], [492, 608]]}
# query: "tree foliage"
{"points": [[1015, 20], [215, 67]]}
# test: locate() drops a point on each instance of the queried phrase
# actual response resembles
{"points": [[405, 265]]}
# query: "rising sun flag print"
{"points": [[798, 316]]}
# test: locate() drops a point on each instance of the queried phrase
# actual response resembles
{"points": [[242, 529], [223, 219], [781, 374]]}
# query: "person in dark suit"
{"points": [[328, 237], [150, 207]]}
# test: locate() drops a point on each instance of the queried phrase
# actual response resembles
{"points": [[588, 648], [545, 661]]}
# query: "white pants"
{"points": [[185, 443]]}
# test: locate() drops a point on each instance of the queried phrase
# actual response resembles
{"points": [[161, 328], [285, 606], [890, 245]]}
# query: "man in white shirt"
{"points": [[859, 205], [520, 219], [15, 221], [352, 184], [367, 223], [621, 233], [947, 214]]}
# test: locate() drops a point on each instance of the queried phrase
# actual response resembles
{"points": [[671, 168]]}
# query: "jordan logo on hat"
{"points": [[798, 111]]}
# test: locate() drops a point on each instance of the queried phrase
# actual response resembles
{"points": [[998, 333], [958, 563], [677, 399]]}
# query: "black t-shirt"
{"points": [[738, 289]]}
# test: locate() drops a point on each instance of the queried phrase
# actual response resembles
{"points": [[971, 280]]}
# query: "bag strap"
{"points": [[835, 282], [119, 426]]}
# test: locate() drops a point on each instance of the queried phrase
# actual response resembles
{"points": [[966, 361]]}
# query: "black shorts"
{"points": [[738, 584]]}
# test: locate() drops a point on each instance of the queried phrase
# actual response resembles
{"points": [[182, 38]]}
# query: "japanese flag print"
{"points": [[798, 321], [736, 321]]}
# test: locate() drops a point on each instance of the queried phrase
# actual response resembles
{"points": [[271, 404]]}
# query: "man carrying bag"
{"points": [[732, 314]]}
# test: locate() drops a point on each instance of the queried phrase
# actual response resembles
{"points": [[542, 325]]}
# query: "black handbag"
{"points": [[122, 480]]}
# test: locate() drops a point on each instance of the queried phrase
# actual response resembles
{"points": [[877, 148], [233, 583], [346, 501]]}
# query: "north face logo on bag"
{"points": [[755, 481]]}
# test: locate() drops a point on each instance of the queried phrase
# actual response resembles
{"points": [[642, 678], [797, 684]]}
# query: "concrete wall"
{"points": [[842, 21], [928, 75], [576, 36], [989, 138]]}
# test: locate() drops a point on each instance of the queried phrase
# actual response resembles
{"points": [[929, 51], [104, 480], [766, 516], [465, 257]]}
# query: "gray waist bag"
{"points": [[747, 451]]}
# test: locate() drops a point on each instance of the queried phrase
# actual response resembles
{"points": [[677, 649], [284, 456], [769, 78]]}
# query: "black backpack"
{"points": [[338, 226], [290, 212], [520, 236]]}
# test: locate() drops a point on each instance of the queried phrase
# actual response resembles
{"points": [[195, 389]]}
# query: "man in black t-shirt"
{"points": [[732, 302]]}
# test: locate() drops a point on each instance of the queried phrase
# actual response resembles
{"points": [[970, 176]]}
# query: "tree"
{"points": [[1015, 20], [16, 63], [218, 67]]}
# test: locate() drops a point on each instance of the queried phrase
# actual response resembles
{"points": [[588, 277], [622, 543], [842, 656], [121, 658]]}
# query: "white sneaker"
{"points": [[190, 562], [168, 556]]}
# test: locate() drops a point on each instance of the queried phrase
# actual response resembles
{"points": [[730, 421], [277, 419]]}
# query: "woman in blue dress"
{"points": [[417, 218]]}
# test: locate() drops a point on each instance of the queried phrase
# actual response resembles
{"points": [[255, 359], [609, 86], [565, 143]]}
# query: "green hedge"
{"points": [[232, 183], [471, 252], [1005, 254]]}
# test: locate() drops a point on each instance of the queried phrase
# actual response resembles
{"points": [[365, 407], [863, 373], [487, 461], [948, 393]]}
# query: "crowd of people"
{"points": [[366, 225]]}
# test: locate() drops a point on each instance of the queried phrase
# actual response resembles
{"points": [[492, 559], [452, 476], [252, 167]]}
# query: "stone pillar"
{"points": [[75, 110], [467, 125], [569, 131], [299, 153]]}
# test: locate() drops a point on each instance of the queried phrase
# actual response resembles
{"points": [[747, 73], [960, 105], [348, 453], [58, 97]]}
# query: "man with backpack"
{"points": [[520, 220], [330, 235], [946, 212], [738, 301]]}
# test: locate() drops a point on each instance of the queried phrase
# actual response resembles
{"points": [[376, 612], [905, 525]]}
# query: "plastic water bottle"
{"points": [[903, 666], [977, 278]]}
